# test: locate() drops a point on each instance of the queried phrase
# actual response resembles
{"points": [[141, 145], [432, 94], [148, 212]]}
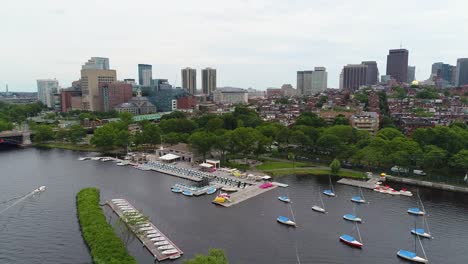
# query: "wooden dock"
{"points": [[369, 184], [152, 248], [245, 194]]}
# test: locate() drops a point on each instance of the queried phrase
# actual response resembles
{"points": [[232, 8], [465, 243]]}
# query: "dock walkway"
{"points": [[245, 194], [147, 242], [369, 184]]}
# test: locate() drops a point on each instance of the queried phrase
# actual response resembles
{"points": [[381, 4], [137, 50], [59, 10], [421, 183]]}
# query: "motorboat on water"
{"points": [[161, 243], [176, 190], [411, 256], [350, 240], [352, 218], [415, 211], [284, 199], [211, 190], [187, 193], [170, 251], [420, 232], [286, 221], [405, 192], [40, 189], [166, 247]]}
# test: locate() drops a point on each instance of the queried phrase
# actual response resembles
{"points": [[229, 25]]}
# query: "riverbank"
{"points": [[68, 146], [285, 168], [428, 184], [105, 246]]}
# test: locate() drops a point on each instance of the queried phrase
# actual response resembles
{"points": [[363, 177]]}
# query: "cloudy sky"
{"points": [[252, 43]]}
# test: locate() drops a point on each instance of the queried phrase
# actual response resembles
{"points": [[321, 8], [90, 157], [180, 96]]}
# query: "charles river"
{"points": [[44, 228]]}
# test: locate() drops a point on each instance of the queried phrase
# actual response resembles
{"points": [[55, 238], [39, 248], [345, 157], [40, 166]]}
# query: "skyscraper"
{"points": [[189, 80], [312, 82], [397, 64], [443, 71], [145, 74], [91, 78], [208, 80], [96, 63], [45, 90], [411, 74], [462, 72], [354, 76], [372, 72]]}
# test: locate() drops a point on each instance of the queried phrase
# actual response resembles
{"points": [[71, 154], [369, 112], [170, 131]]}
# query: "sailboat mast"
{"points": [[292, 213], [331, 185], [415, 237], [359, 233]]}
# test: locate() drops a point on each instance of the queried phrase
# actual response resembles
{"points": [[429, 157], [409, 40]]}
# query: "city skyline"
{"points": [[259, 49]]}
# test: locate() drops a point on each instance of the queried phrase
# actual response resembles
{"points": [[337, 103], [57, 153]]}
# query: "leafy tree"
{"points": [[202, 141], [76, 133], [340, 120], [215, 256], [61, 134], [282, 137], [174, 115], [330, 143], [434, 157], [335, 166], [389, 133], [292, 157], [310, 119], [214, 124], [104, 137], [178, 125], [126, 117], [43, 133], [460, 160], [150, 134], [5, 125]]}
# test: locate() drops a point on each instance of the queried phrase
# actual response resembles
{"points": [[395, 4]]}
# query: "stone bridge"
{"points": [[16, 137]]}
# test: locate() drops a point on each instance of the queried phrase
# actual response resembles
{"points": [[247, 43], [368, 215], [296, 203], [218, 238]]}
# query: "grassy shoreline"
{"points": [[284, 168], [104, 245]]}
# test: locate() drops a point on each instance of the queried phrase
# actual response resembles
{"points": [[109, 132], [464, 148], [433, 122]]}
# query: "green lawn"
{"points": [[274, 165], [314, 171]]}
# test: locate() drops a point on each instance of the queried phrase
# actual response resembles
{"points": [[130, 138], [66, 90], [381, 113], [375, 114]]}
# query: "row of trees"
{"points": [[14, 113]]}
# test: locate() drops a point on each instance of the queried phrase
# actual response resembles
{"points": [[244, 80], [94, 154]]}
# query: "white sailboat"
{"points": [[318, 208], [413, 256], [426, 233], [330, 192], [285, 220], [359, 198]]}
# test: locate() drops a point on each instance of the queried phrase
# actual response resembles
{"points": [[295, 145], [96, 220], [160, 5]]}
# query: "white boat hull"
{"points": [[318, 209], [416, 259]]}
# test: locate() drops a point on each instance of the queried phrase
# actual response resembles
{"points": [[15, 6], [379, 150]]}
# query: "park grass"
{"points": [[314, 171], [69, 146], [105, 246], [274, 165]]}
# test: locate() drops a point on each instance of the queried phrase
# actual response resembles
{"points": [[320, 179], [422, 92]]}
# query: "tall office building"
{"points": [[312, 82], [145, 74], [443, 71], [461, 77], [45, 91], [397, 64], [411, 74], [91, 78], [189, 80], [96, 63], [208, 80], [372, 72], [354, 76]]}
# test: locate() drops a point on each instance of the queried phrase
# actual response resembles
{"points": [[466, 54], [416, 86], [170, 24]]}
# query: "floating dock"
{"points": [[147, 242], [369, 184], [245, 194]]}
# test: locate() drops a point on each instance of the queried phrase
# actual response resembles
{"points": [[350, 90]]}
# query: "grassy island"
{"points": [[105, 246]]}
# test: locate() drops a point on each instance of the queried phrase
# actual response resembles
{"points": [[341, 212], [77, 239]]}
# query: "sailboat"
{"points": [[330, 192], [318, 208], [285, 220], [350, 240], [284, 199], [413, 256], [358, 198], [416, 210], [421, 231]]}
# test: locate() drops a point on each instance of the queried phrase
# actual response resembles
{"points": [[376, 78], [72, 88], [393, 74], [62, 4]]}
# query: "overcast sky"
{"points": [[251, 43]]}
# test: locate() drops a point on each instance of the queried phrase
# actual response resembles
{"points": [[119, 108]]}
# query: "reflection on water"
{"points": [[44, 228]]}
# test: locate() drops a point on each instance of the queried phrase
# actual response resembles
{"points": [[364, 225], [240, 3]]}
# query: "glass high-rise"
{"points": [[145, 74], [462, 72]]}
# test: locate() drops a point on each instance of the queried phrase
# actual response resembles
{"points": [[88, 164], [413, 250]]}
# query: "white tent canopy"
{"points": [[169, 157], [206, 165]]}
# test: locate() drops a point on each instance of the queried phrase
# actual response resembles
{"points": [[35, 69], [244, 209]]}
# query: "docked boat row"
{"points": [[142, 227], [389, 190]]}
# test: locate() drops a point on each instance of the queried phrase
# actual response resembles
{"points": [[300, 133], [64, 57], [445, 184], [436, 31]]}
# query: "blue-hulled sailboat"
{"points": [[286, 221], [413, 256], [358, 198], [284, 199], [421, 231], [416, 210], [330, 192], [352, 241], [352, 218], [211, 190]]}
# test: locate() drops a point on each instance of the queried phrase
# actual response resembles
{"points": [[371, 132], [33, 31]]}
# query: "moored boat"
{"points": [[411, 256], [318, 209], [211, 190], [229, 189], [350, 240], [165, 247], [415, 211], [405, 192], [170, 251], [329, 193], [161, 243], [357, 199], [286, 221], [187, 193], [158, 239], [176, 190], [352, 218], [284, 199], [420, 232]]}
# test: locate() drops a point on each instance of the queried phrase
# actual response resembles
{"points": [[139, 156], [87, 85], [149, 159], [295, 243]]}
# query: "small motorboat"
{"points": [[158, 239], [229, 189], [153, 235], [266, 185], [118, 200], [411, 256], [352, 218], [165, 247], [170, 251], [318, 209], [187, 193], [351, 241], [284, 199], [420, 232], [143, 225], [82, 158], [176, 190], [40, 189], [211, 190], [329, 193], [415, 211], [393, 192], [405, 192], [145, 229], [121, 164], [161, 243], [286, 221], [152, 232], [174, 256], [357, 199]]}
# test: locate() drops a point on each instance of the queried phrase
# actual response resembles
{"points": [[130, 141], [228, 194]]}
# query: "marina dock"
{"points": [[245, 194], [147, 242], [369, 184]]}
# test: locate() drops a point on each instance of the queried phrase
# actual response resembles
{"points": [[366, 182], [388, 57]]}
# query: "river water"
{"points": [[44, 228]]}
